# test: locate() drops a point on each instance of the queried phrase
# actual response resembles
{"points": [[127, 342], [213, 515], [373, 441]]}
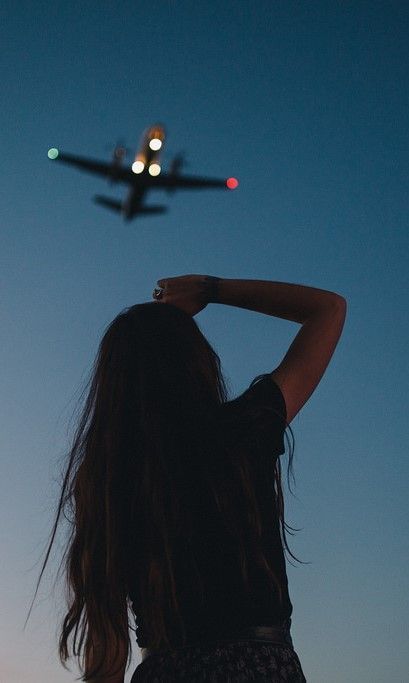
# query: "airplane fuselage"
{"points": [[149, 158]]}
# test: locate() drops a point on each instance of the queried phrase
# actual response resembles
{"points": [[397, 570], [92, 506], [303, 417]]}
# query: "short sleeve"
{"points": [[264, 414]]}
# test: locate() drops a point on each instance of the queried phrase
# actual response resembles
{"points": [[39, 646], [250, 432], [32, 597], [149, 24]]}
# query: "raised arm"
{"points": [[321, 314]]}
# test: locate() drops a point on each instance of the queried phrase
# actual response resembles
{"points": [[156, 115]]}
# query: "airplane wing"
{"points": [[185, 182], [125, 175], [99, 167]]}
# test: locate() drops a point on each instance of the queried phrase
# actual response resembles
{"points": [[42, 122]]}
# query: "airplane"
{"points": [[143, 175]]}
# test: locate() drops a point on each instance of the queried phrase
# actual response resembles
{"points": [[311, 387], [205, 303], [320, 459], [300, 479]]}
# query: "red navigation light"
{"points": [[232, 183]]}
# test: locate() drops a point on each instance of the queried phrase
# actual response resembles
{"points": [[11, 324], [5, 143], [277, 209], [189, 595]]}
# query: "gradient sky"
{"points": [[307, 104]]}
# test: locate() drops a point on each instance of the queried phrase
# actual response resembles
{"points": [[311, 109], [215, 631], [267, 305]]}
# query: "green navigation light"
{"points": [[52, 153]]}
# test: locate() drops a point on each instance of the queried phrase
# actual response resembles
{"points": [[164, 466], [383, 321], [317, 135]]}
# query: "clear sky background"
{"points": [[306, 103]]}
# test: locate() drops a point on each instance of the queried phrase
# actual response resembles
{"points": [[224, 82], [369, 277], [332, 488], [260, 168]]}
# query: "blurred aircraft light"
{"points": [[154, 169], [52, 153], [232, 183], [138, 166], [155, 144]]}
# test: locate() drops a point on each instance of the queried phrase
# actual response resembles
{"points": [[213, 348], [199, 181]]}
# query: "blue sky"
{"points": [[307, 104]]}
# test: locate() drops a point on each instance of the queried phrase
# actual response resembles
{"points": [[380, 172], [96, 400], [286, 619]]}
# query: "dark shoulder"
{"points": [[259, 413], [265, 392]]}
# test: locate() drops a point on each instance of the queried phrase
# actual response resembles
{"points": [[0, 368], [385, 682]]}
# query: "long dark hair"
{"points": [[155, 421]]}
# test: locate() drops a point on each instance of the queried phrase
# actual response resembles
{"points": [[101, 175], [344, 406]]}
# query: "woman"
{"points": [[176, 492]]}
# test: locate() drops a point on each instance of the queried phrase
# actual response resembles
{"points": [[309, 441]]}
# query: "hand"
{"points": [[188, 292]]}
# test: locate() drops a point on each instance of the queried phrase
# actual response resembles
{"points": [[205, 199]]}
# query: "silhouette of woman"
{"points": [[176, 491]]}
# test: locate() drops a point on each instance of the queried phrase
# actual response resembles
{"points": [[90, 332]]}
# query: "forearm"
{"points": [[289, 301]]}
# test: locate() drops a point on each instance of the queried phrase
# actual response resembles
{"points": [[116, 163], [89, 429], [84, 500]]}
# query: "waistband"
{"points": [[276, 635]]}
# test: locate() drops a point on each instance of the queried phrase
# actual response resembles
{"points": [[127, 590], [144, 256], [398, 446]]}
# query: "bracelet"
{"points": [[212, 288]]}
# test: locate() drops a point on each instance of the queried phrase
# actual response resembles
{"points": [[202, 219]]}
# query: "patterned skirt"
{"points": [[226, 662]]}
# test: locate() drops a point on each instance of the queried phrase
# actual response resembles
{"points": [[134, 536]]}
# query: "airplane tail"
{"points": [[116, 205], [113, 204], [152, 209]]}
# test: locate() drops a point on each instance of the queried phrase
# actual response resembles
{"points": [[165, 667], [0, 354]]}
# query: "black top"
{"points": [[228, 606]]}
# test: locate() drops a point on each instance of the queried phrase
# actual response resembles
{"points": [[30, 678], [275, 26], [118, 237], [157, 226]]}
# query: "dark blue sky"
{"points": [[307, 104]]}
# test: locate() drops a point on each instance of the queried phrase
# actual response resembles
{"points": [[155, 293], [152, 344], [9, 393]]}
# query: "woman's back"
{"points": [[211, 560]]}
